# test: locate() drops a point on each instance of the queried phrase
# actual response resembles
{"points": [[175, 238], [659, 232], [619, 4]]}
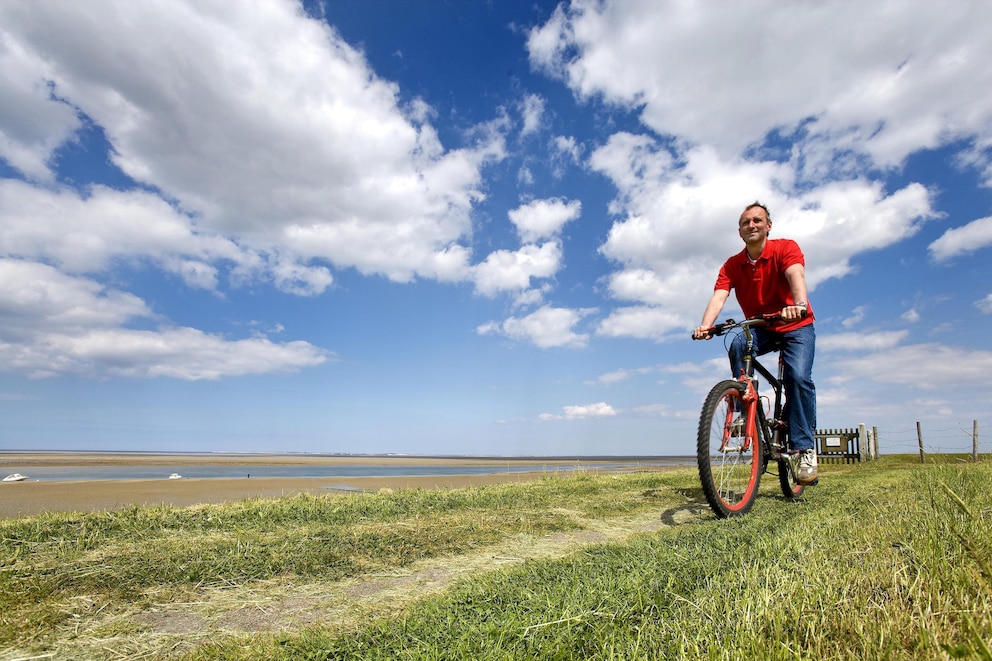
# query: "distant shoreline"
{"points": [[30, 498], [101, 457]]}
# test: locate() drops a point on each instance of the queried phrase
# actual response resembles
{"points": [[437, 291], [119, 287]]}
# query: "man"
{"points": [[769, 276]]}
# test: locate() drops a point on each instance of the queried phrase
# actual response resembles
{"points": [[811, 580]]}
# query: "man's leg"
{"points": [[736, 355], [798, 349], [764, 342]]}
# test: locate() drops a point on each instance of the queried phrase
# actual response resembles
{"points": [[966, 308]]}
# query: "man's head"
{"points": [[755, 224]]}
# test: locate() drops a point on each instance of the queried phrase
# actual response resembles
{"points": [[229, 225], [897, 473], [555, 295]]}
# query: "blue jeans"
{"points": [[797, 347]]}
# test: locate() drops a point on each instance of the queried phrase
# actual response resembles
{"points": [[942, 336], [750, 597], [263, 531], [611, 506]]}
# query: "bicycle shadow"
{"points": [[690, 512], [697, 509]]}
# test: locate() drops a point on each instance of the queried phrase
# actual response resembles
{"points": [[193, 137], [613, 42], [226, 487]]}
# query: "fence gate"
{"points": [[838, 446]]}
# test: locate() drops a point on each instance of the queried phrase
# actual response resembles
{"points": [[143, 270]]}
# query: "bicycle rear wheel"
{"points": [[787, 479], [730, 466], [791, 489]]}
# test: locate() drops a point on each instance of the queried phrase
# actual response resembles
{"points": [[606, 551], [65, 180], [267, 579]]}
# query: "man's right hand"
{"points": [[701, 333]]}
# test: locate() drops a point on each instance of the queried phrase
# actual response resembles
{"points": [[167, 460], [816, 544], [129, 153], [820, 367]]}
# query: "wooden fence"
{"points": [[845, 446]]}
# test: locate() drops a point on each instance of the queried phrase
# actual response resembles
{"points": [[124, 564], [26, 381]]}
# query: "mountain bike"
{"points": [[741, 433]]}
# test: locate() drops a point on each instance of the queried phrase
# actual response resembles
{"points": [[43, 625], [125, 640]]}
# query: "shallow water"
{"points": [[206, 471]]}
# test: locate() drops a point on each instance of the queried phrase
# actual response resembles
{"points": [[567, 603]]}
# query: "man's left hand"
{"points": [[793, 312]]}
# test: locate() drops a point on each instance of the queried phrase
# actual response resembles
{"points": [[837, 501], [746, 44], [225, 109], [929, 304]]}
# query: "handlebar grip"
{"points": [[777, 316], [714, 331]]}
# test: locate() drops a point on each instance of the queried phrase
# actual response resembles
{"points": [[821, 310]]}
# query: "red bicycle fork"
{"points": [[749, 403], [750, 400]]}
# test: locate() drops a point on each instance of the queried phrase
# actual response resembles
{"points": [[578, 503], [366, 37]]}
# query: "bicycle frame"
{"points": [[773, 433]]}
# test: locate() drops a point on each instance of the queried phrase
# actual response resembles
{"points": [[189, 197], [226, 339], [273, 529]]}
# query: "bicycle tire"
{"points": [[791, 489], [729, 468], [787, 480]]}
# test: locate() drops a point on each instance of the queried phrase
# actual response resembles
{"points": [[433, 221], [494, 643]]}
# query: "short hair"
{"points": [[768, 214]]}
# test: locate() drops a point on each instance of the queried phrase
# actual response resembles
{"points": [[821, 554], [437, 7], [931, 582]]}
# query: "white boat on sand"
{"points": [[15, 477]]}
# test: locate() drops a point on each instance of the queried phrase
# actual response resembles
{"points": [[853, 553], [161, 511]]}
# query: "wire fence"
{"points": [[951, 439]]}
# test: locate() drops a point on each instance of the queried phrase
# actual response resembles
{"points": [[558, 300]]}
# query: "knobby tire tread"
{"points": [[714, 407]]}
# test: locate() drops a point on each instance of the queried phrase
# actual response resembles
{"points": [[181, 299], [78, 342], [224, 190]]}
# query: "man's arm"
{"points": [[795, 275], [711, 313]]}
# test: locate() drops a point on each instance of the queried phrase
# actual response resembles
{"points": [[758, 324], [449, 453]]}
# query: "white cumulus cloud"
{"points": [[249, 143], [53, 323], [257, 121], [963, 240], [896, 86], [546, 327], [542, 219], [860, 341], [581, 411], [513, 270]]}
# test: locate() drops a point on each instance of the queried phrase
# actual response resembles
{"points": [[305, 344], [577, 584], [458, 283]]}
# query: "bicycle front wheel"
{"points": [[730, 465]]}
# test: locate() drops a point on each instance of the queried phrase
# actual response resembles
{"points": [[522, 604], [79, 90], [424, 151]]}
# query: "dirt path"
{"points": [[276, 605]]}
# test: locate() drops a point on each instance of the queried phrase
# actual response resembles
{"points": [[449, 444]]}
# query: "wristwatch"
{"points": [[801, 304]]}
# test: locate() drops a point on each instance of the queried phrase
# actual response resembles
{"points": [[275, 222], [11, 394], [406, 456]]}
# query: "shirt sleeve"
{"points": [[791, 254], [724, 280]]}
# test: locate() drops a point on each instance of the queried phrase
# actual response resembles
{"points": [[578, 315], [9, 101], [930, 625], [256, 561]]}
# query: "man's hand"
{"points": [[794, 312], [701, 333]]}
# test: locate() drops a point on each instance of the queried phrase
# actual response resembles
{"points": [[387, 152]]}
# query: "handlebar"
{"points": [[760, 320]]}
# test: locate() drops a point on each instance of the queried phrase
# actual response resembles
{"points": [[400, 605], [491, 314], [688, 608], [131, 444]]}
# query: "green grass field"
{"points": [[883, 560]]}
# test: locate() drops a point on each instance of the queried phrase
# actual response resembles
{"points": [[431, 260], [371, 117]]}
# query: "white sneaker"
{"points": [[806, 471], [737, 426]]}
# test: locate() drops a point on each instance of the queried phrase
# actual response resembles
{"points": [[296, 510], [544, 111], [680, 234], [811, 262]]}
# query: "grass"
{"points": [[883, 560]]}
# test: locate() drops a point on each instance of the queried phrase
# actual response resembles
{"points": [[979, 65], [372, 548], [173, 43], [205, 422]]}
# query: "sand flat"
{"points": [[30, 498], [36, 497]]}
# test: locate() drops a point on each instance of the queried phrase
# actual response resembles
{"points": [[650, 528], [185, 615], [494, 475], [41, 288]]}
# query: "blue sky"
{"points": [[478, 227]]}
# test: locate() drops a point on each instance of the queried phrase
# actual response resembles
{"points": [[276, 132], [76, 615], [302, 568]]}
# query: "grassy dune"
{"points": [[885, 560]]}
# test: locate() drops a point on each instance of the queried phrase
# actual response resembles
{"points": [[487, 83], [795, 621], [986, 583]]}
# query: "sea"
{"points": [[69, 473]]}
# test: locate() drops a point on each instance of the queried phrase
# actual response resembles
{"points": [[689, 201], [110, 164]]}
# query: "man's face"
{"points": [[754, 225]]}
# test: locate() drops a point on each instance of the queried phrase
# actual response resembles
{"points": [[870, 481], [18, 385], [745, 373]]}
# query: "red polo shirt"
{"points": [[761, 287]]}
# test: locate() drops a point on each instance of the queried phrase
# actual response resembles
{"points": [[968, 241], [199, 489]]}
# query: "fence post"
{"points": [[919, 436], [874, 442], [974, 441], [862, 442]]}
